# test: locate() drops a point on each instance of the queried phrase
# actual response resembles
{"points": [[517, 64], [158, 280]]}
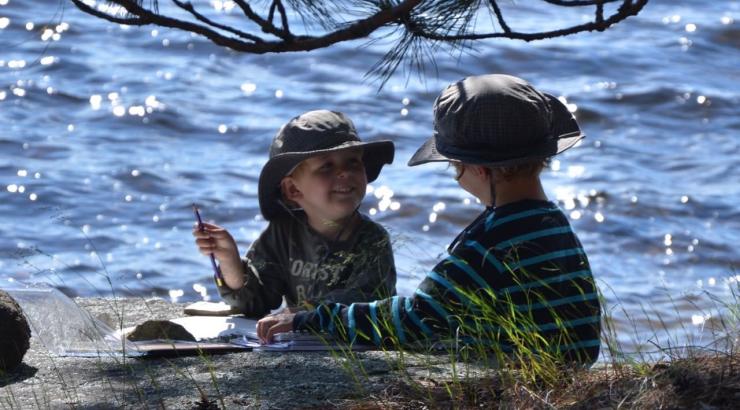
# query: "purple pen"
{"points": [[216, 270]]}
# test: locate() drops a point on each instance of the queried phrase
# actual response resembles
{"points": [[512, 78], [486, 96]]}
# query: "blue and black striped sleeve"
{"points": [[516, 277], [430, 313]]}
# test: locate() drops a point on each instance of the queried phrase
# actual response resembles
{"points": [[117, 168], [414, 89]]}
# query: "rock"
{"points": [[260, 380], [15, 331], [160, 329]]}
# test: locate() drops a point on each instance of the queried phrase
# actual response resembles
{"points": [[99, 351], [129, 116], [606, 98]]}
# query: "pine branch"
{"points": [[627, 9], [500, 17], [579, 3], [191, 9], [265, 25], [283, 15], [130, 21], [358, 29], [421, 26]]}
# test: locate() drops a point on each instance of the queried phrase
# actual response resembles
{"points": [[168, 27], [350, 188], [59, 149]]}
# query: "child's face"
{"points": [[476, 180], [328, 187]]}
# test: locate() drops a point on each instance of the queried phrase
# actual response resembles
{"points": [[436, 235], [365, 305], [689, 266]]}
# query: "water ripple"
{"points": [[117, 130]]}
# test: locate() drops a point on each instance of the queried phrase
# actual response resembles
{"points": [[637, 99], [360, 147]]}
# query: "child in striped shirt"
{"points": [[516, 279]]}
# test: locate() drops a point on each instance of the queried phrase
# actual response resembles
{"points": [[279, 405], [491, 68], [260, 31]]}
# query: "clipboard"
{"points": [[163, 348]]}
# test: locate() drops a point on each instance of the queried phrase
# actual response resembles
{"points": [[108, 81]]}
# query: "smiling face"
{"points": [[328, 187]]}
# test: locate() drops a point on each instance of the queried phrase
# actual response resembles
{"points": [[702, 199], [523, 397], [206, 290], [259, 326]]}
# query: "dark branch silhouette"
{"points": [[421, 25]]}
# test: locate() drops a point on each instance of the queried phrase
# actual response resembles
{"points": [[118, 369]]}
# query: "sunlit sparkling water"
{"points": [[109, 133]]}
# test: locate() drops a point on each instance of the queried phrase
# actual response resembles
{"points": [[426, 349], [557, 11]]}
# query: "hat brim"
{"points": [[375, 155], [565, 128]]}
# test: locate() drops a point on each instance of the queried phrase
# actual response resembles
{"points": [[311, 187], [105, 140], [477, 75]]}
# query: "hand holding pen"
{"points": [[217, 243]]}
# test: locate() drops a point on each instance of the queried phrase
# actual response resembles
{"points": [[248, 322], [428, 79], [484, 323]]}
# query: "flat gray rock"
{"points": [[252, 379]]}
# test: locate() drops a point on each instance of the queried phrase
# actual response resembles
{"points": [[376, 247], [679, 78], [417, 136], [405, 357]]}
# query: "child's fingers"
{"points": [[269, 326], [208, 227], [206, 244], [200, 234], [262, 326], [279, 327], [259, 327], [219, 235], [212, 227], [212, 236]]}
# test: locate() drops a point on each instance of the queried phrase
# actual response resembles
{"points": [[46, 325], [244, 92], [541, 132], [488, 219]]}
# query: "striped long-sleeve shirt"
{"points": [[516, 278]]}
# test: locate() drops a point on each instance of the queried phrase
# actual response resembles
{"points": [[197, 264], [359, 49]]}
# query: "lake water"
{"points": [[109, 133]]}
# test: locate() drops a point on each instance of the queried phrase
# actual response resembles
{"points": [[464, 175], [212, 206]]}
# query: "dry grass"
{"points": [[687, 375], [702, 382]]}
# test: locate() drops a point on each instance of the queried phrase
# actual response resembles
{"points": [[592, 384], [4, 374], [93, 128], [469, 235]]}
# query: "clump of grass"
{"points": [[675, 375], [206, 404]]}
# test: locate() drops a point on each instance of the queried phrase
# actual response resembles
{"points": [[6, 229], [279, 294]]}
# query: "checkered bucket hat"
{"points": [[497, 120]]}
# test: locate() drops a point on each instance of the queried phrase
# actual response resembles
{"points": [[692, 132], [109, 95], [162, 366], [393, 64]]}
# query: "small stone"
{"points": [[160, 329], [16, 333], [205, 404]]}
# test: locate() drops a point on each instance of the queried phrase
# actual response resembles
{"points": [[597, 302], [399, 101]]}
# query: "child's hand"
{"points": [[288, 309], [215, 240], [268, 326]]}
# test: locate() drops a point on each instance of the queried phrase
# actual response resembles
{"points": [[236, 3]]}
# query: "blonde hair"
{"points": [[527, 169]]}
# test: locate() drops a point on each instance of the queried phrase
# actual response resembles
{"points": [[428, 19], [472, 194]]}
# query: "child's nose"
{"points": [[344, 170]]}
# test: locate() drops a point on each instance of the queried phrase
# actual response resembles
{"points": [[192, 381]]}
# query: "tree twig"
{"points": [[283, 16], [265, 25], [626, 10], [579, 3], [137, 21], [500, 17], [191, 9]]}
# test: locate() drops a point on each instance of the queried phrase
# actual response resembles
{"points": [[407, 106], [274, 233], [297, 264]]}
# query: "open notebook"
{"points": [[216, 320], [241, 331]]}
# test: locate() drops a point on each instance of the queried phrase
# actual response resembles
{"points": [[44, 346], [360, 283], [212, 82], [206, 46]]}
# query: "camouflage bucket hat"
{"points": [[307, 135]]}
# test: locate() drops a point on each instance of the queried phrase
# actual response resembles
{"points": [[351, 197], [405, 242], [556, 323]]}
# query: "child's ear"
{"points": [[290, 190], [481, 171], [496, 175]]}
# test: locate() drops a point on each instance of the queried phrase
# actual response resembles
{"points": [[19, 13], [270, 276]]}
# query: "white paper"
{"points": [[212, 327]]}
